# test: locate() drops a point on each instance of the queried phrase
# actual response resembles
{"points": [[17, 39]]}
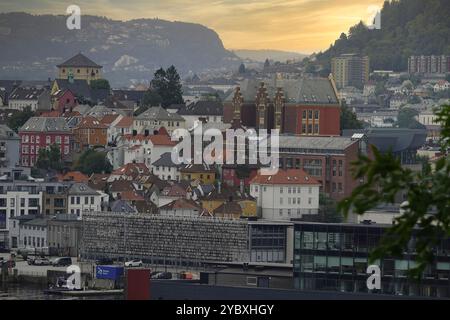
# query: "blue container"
{"points": [[108, 272]]}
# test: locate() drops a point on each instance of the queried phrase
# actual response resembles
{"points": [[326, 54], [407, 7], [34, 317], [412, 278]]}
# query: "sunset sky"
{"points": [[294, 25]]}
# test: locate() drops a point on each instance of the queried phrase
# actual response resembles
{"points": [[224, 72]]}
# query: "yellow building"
{"points": [[203, 173], [79, 67], [219, 197]]}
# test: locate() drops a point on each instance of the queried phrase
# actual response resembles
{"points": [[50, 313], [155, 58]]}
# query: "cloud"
{"points": [[294, 25]]}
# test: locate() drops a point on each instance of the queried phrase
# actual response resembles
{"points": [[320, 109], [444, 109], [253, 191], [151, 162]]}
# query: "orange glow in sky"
{"points": [[294, 25]]}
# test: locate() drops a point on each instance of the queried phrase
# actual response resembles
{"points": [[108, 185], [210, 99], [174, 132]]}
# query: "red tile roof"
{"points": [[132, 169], [157, 140], [126, 122], [91, 123], [75, 176], [131, 196], [108, 119], [289, 176]]}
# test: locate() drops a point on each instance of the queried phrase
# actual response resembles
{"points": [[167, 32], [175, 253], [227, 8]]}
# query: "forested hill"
{"points": [[408, 27]]}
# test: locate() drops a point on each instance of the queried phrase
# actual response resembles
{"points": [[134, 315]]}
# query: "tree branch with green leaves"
{"points": [[426, 211]]}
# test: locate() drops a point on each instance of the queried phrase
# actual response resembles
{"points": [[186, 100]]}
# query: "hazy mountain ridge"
{"points": [[262, 55], [133, 49]]}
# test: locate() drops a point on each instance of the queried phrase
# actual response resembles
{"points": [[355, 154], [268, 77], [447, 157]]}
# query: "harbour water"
{"points": [[15, 291]]}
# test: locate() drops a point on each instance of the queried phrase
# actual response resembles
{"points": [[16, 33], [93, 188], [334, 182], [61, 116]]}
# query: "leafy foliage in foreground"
{"points": [[427, 209]]}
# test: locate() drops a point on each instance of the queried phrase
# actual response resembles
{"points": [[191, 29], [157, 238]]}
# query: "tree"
{"points": [[50, 158], [407, 119], [18, 119], [328, 210], [426, 210], [174, 92], [348, 119], [242, 68], [92, 161], [167, 84], [100, 84], [151, 98]]}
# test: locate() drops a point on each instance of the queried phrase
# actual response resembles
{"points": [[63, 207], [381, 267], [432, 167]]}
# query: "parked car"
{"points": [[62, 262], [41, 262], [163, 275], [134, 263], [104, 261]]}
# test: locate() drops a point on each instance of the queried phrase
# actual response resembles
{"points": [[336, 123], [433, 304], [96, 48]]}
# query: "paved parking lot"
{"points": [[24, 268]]}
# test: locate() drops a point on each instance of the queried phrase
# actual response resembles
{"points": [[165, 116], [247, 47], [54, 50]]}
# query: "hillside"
{"points": [[33, 44], [408, 27], [262, 55]]}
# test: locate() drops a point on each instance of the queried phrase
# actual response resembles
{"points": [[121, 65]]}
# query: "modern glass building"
{"points": [[334, 257]]}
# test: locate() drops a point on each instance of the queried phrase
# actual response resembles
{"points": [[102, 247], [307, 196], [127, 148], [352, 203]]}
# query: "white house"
{"points": [[19, 203], [82, 198], [165, 169], [181, 208], [35, 98], [155, 118], [204, 111], [441, 85], [288, 194], [33, 234], [151, 147]]}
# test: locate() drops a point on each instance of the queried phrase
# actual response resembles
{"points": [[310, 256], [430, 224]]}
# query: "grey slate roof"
{"points": [[78, 87], [26, 93], [82, 189], [79, 60], [165, 161], [203, 108], [304, 90], [395, 139], [7, 133], [45, 124], [321, 143], [160, 114], [40, 222], [122, 206]]}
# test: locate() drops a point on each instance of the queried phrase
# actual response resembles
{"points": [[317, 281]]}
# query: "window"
{"points": [[281, 190], [66, 140], [47, 140], [58, 139], [38, 139], [264, 189], [92, 200], [281, 200], [86, 200], [309, 200], [289, 190], [66, 150]]}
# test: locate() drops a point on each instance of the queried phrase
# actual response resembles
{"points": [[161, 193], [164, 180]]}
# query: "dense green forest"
{"points": [[408, 27]]}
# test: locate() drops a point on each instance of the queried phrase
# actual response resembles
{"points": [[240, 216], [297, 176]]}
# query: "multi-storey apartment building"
{"points": [[350, 70], [9, 147], [326, 159], [42, 132], [429, 64]]}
